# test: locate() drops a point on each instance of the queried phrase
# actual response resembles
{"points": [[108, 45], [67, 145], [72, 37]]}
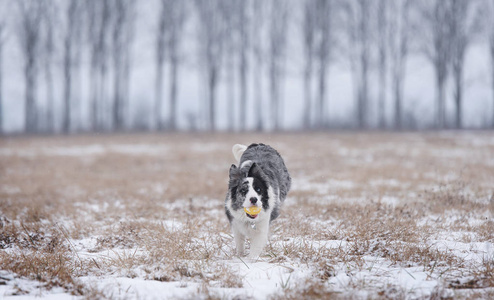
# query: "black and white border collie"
{"points": [[261, 180]]}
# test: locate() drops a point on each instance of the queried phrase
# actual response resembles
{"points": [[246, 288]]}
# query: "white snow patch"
{"points": [[323, 188], [19, 288], [89, 150]]}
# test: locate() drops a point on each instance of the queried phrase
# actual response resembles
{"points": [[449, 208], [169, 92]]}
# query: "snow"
{"points": [[367, 276], [260, 278], [13, 287], [88, 150]]}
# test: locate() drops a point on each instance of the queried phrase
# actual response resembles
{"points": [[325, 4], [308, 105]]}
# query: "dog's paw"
{"points": [[254, 256]]}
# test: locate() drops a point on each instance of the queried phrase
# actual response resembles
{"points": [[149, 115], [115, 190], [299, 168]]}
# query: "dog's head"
{"points": [[248, 188]]}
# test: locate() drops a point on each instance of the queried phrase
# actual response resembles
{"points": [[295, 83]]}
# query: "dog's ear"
{"points": [[233, 171], [256, 171]]}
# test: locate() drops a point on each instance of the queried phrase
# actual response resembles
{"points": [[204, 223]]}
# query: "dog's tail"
{"points": [[238, 150]]}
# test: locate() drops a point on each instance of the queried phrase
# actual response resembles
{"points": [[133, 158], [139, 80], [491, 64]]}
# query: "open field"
{"points": [[370, 215]]}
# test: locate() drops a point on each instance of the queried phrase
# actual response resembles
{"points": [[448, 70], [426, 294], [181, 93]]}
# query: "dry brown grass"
{"points": [[380, 195]]}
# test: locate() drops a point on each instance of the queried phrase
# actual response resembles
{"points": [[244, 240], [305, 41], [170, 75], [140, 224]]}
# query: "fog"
{"points": [[121, 65]]}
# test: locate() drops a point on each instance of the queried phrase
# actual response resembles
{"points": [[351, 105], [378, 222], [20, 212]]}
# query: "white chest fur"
{"points": [[257, 234]]}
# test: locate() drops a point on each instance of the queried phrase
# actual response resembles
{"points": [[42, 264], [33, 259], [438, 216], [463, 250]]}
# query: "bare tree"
{"points": [[71, 17], [122, 35], [323, 53], [358, 28], [99, 14], [160, 62], [231, 12], [3, 26], [491, 50], [92, 9], [171, 23], [399, 31], [236, 15], [30, 18], [104, 48], [127, 64], [434, 15], [459, 42], [49, 9], [244, 39], [463, 29], [178, 17], [364, 58], [309, 24], [71, 57], [211, 44], [382, 33], [258, 17], [277, 55]]}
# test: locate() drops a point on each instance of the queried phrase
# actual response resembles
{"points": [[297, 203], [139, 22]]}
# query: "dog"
{"points": [[261, 181]]}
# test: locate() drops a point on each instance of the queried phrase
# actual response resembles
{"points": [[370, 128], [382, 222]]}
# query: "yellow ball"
{"points": [[253, 210]]}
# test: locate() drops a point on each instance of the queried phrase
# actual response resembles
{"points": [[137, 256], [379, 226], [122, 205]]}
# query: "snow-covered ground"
{"points": [[369, 216]]}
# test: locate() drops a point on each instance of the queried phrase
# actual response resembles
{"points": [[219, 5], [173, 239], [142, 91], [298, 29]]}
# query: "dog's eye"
{"points": [[258, 189]]}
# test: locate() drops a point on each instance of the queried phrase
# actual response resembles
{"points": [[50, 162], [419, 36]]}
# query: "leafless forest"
{"points": [[78, 57]]}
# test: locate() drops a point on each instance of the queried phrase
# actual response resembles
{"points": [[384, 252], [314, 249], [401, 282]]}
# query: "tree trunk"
{"points": [[257, 67], [31, 120], [158, 102], [1, 84], [382, 98], [67, 85], [440, 104], [173, 93], [360, 108], [274, 96], [323, 27], [231, 91], [398, 101], [212, 99], [103, 95], [117, 88], [76, 123], [243, 90], [307, 91], [491, 48], [382, 35], [458, 96], [363, 32], [243, 65], [94, 119], [363, 93], [322, 96], [258, 89], [50, 126], [126, 86]]}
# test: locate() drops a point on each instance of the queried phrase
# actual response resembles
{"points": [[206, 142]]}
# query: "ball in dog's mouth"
{"points": [[252, 211]]}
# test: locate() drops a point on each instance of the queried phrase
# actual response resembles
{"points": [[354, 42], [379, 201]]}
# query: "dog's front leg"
{"points": [[259, 239], [239, 242]]}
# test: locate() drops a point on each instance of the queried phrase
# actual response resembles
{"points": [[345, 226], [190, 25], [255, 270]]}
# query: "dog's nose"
{"points": [[253, 200]]}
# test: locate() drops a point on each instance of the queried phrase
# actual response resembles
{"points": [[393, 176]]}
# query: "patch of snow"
{"points": [[138, 288], [140, 149], [10, 190], [74, 151], [324, 188], [19, 288]]}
